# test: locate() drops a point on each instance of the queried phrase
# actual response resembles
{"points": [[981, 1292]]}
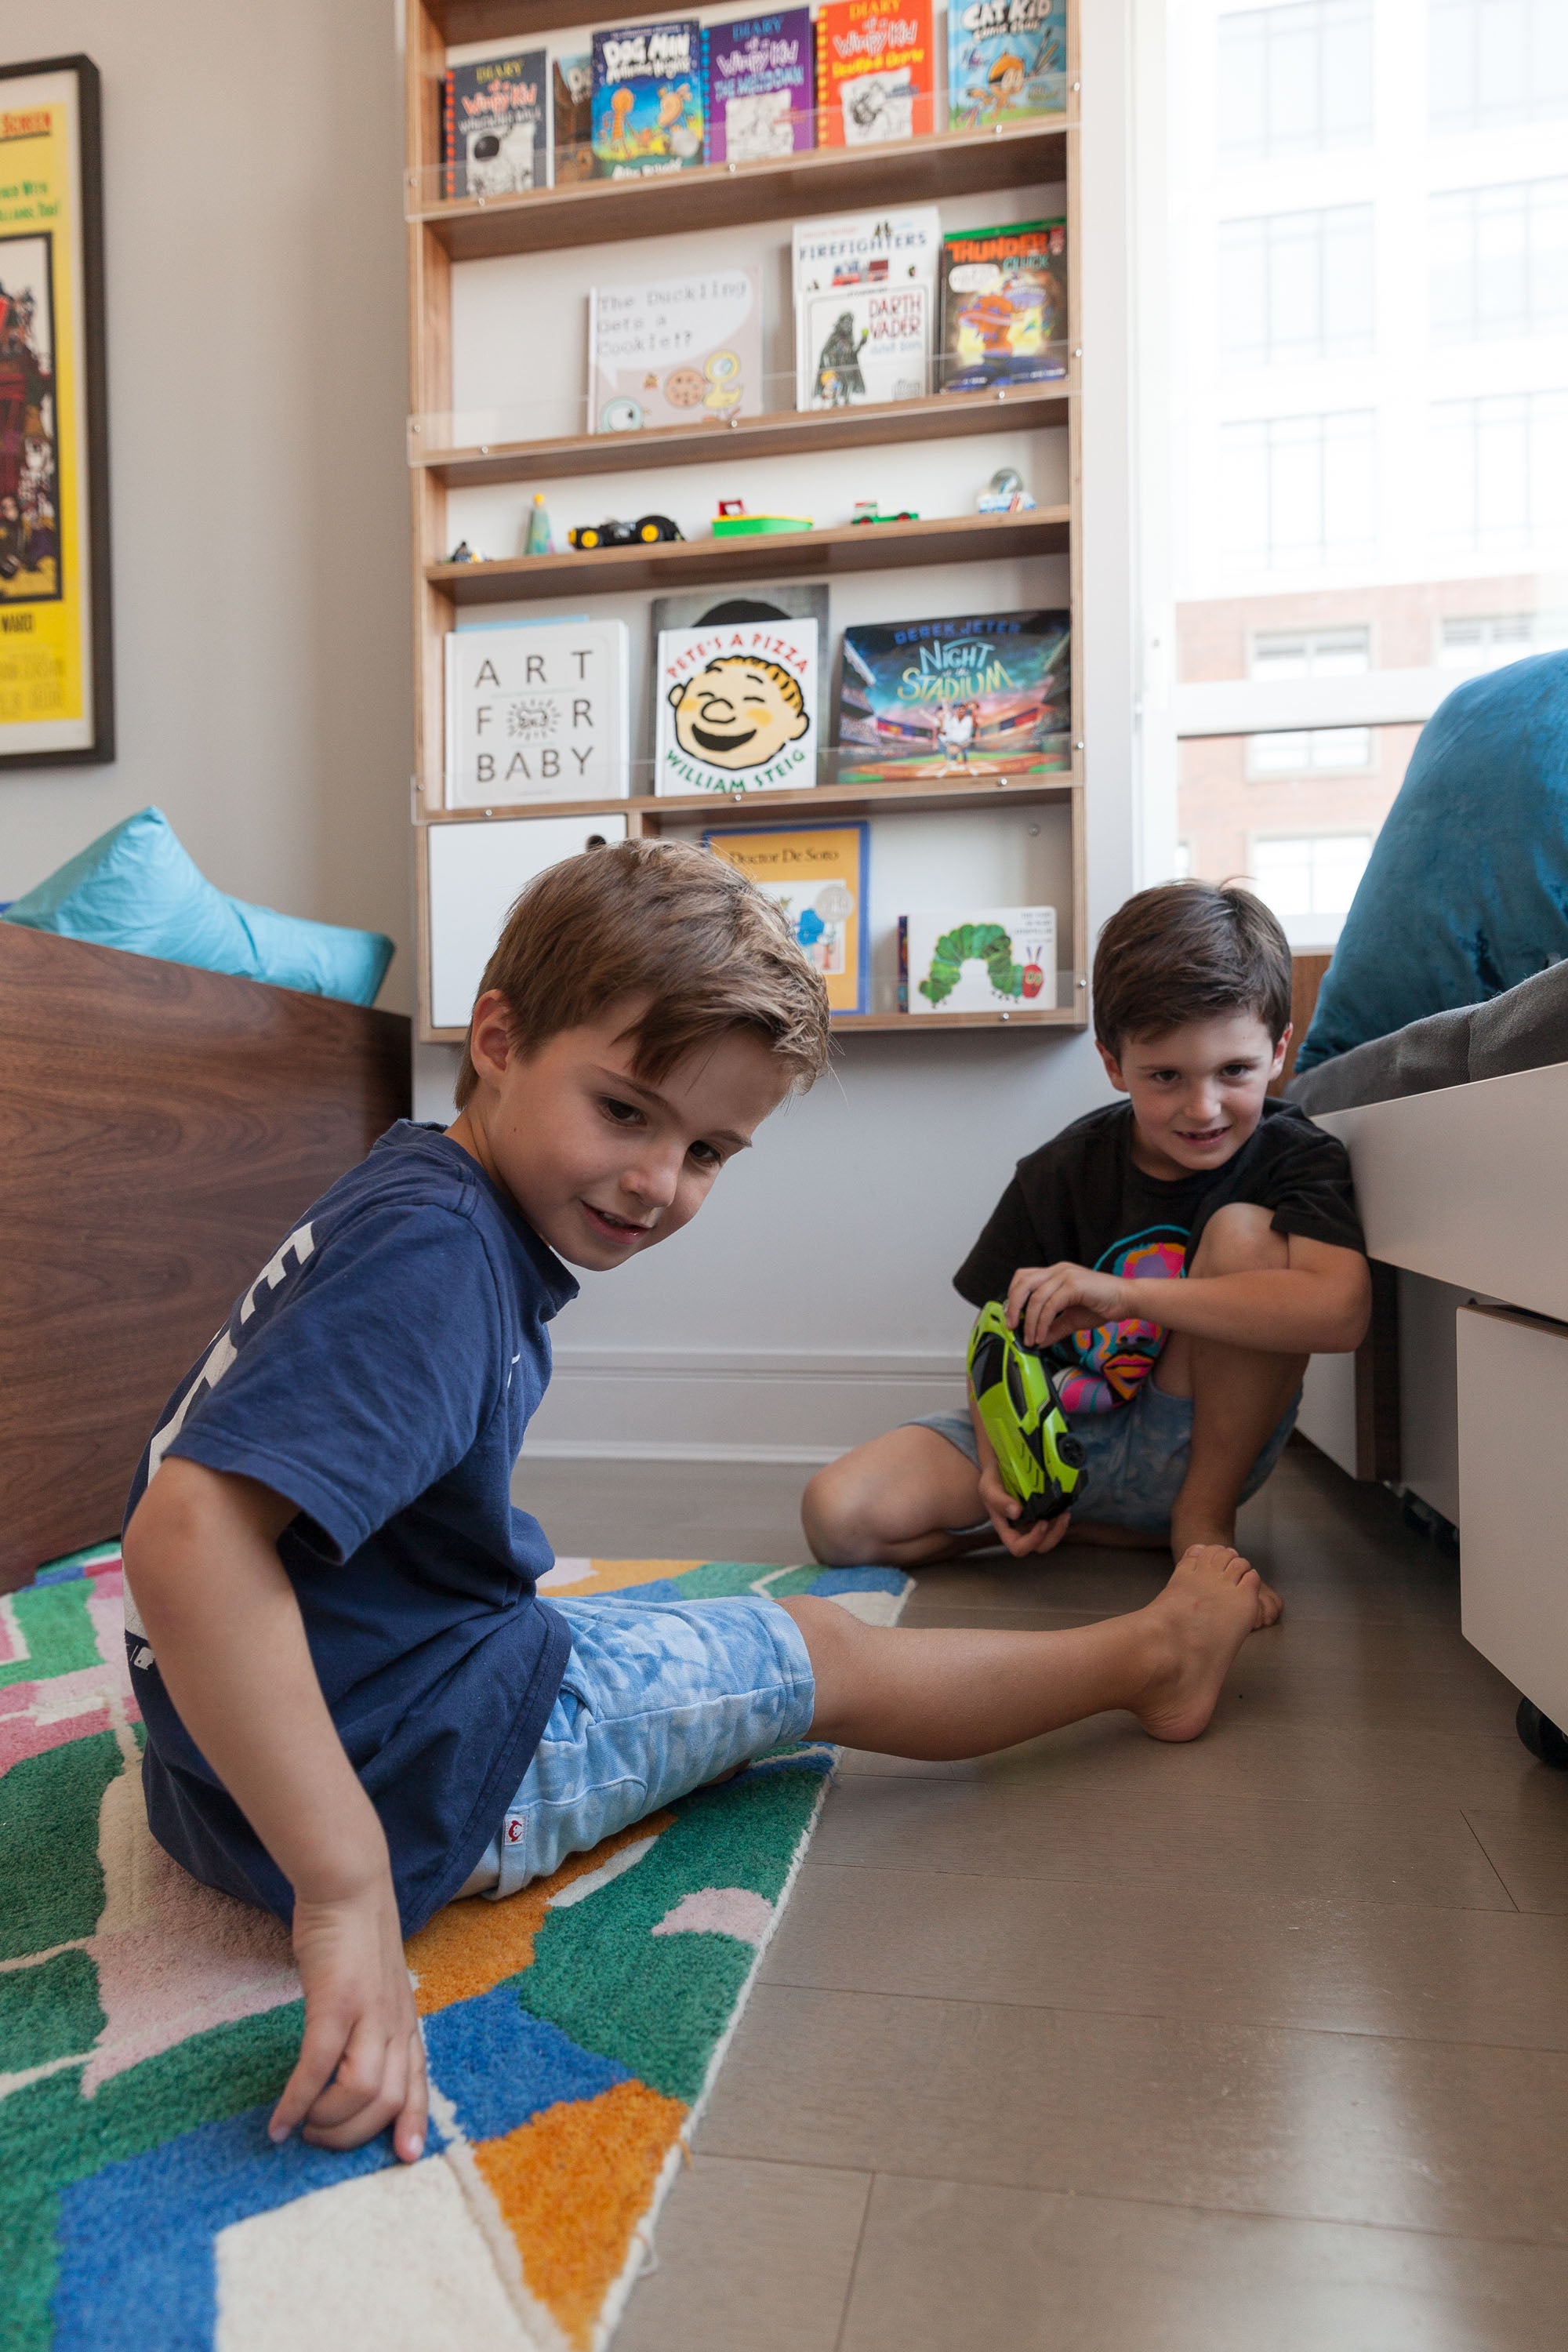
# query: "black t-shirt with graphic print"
{"points": [[1081, 1197]]}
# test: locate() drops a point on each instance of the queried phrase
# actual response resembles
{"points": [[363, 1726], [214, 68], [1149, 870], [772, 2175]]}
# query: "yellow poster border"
{"points": [[57, 683]]}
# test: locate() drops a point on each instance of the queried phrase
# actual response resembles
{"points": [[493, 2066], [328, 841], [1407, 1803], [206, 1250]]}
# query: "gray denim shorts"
{"points": [[1137, 1456]]}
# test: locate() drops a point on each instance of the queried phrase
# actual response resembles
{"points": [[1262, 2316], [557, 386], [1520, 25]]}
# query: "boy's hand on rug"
{"points": [[362, 2061], [1044, 1303], [1002, 1509]]}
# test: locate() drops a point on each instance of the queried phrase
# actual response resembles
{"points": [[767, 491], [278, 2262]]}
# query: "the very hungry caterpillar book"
{"points": [[761, 80], [991, 959], [648, 98], [985, 694]]}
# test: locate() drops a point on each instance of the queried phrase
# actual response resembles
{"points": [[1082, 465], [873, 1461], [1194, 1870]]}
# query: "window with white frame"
{"points": [[1500, 260], [1499, 471], [1184, 865], [1294, 78], [1297, 286], [1492, 64], [1310, 873], [1298, 492], [1477, 641], [1309, 652]]}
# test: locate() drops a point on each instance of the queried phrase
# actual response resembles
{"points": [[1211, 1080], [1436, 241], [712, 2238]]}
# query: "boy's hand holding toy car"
{"points": [[1030, 1462], [1045, 1302]]}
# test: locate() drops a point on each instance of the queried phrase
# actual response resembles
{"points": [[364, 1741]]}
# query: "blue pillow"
{"points": [[1465, 892], [136, 888]]}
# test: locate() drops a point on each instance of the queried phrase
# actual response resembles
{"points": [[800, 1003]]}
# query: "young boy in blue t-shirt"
{"points": [[1177, 1258], [357, 1707]]}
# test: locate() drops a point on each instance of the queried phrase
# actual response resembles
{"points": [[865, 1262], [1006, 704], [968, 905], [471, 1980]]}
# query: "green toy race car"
{"points": [[1040, 1460]]}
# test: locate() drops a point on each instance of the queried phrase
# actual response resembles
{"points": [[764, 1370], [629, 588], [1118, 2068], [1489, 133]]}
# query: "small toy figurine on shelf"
{"points": [[539, 541], [464, 553], [1004, 494], [732, 521], [647, 532], [870, 510]]}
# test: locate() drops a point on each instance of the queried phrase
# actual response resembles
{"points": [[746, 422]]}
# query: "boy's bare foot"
{"points": [[1270, 1607], [1204, 1614]]}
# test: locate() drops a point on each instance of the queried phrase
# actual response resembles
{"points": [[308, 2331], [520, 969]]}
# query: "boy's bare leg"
{"points": [[895, 1503], [936, 1694], [1238, 1394]]}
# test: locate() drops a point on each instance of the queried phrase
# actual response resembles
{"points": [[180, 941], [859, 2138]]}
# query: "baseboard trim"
{"points": [[730, 1404], [676, 1449]]}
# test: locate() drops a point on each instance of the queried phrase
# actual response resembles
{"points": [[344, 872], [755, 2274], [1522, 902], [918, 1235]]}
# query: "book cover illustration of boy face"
{"points": [[736, 708], [988, 694], [648, 99]]}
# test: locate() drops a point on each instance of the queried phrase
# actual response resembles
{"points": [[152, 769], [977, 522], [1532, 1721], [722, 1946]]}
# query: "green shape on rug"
{"points": [[29, 2215], [50, 2132], [48, 1811], [48, 2011], [658, 2004], [57, 1630]]}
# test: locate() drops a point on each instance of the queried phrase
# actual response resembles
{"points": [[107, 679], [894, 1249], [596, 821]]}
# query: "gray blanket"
{"points": [[1522, 1029]]}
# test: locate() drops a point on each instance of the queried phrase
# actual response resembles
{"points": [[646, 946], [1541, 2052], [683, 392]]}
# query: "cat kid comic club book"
{"points": [[1006, 62], [649, 112], [987, 694]]}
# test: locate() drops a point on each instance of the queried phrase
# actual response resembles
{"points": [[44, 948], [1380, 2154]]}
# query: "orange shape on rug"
{"points": [[470, 1946], [571, 2185]]}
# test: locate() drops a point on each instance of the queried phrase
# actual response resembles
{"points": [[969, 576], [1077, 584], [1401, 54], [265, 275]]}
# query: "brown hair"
{"points": [[669, 921], [1185, 951]]}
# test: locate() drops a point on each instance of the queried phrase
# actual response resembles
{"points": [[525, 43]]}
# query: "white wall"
{"points": [[257, 387], [811, 1304]]}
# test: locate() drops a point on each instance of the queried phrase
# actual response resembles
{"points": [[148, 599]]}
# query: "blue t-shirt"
{"points": [[380, 1372]]}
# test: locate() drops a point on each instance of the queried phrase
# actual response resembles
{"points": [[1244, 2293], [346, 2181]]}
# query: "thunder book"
{"points": [[1003, 306]]}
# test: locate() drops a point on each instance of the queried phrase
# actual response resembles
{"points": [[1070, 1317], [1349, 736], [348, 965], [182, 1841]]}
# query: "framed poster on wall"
{"points": [[57, 695]]}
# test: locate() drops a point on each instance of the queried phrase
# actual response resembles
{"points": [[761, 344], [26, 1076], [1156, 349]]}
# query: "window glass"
{"points": [[1369, 339]]}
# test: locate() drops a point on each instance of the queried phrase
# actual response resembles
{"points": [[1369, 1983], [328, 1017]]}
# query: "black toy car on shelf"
{"points": [[646, 532]]}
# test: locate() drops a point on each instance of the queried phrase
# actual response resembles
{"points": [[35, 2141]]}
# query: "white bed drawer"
{"points": [[1513, 1557], [1466, 1184]]}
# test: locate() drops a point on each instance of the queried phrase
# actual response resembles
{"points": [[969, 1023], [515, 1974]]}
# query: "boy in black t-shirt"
{"points": [[1234, 1205]]}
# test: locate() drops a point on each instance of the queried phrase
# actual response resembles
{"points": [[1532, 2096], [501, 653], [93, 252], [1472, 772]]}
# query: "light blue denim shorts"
{"points": [[1137, 1456], [659, 1697]]}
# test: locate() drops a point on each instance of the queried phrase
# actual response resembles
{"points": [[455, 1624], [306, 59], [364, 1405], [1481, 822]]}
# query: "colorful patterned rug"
{"points": [[148, 2024]]}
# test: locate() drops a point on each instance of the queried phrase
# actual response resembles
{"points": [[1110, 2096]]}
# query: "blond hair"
{"points": [[669, 922], [787, 683]]}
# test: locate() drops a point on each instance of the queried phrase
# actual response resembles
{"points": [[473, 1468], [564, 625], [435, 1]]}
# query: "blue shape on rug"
{"points": [[500, 2066], [136, 2263], [858, 1580]]}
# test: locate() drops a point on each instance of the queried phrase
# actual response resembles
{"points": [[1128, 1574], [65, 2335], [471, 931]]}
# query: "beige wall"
{"points": [[257, 385]]}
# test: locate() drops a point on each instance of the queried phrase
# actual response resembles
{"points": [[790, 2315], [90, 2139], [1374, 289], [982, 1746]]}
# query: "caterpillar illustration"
{"points": [[990, 944]]}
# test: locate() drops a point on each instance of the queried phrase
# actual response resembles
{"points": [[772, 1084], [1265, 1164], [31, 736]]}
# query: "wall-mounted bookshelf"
{"points": [[458, 453]]}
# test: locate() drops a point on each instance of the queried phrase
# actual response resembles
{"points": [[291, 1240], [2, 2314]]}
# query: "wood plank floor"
{"points": [[1107, 2047]]}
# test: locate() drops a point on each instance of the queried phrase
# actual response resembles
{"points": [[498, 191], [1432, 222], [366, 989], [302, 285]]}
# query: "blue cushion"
{"points": [[1465, 892], [136, 888]]}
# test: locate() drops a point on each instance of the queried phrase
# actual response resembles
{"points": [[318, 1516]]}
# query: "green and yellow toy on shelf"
{"points": [[1039, 1458]]}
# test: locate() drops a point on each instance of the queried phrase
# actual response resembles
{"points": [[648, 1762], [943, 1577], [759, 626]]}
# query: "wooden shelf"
{"points": [[683, 562], [946, 416], [723, 195], [908, 796], [1055, 1017]]}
